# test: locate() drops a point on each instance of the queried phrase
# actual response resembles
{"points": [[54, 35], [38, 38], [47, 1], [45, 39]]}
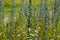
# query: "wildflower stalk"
{"points": [[55, 18], [21, 9], [46, 21], [2, 10], [1, 16], [22, 15], [23, 6], [29, 20], [13, 17], [11, 29], [41, 18], [26, 16]]}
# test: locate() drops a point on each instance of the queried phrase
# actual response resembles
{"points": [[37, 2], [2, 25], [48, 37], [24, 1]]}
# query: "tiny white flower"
{"points": [[29, 29], [32, 34], [58, 35], [18, 35], [1, 33], [51, 39], [36, 31], [24, 32]]}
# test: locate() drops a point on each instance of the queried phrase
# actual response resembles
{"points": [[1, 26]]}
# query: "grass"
{"points": [[21, 28]]}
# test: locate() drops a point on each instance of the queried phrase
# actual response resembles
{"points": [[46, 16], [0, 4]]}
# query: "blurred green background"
{"points": [[17, 29]]}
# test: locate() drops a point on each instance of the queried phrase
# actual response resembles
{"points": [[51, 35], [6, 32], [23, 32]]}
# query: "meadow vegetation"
{"points": [[29, 20]]}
